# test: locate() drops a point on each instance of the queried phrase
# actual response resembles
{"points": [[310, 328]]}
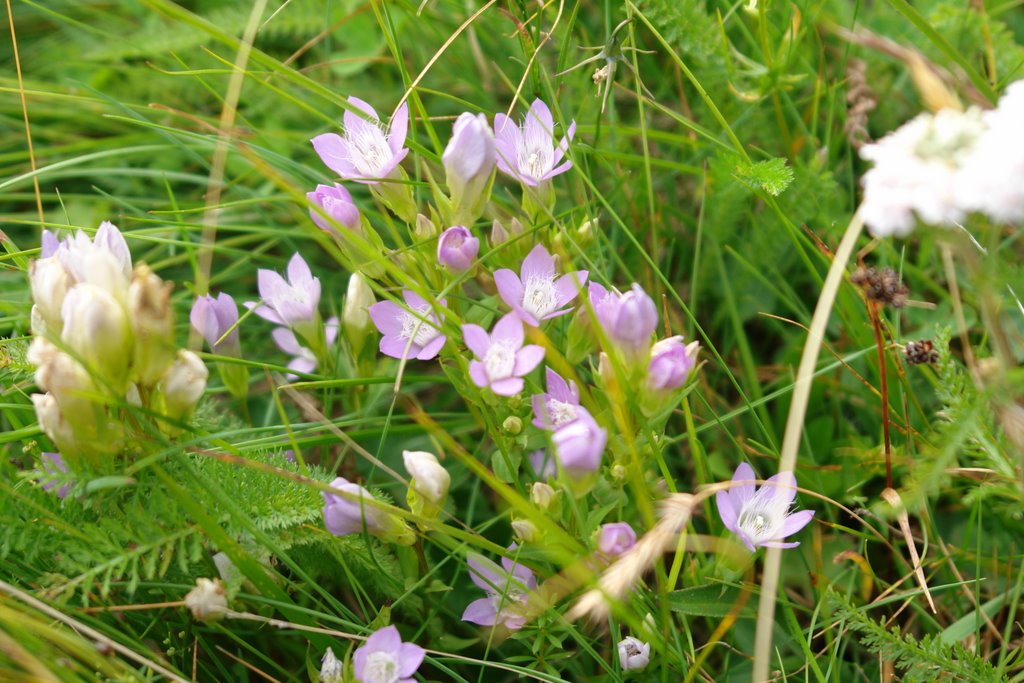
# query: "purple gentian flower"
{"points": [[671, 363], [503, 358], [344, 515], [628, 319], [616, 538], [292, 303], [535, 294], [529, 154], [761, 516], [412, 332], [559, 406], [367, 153], [457, 248], [506, 587], [580, 444], [384, 658], [303, 359], [212, 318], [53, 466], [337, 203]]}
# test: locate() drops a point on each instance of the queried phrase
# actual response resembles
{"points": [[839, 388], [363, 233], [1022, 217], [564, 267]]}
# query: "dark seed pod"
{"points": [[882, 285], [920, 352]]}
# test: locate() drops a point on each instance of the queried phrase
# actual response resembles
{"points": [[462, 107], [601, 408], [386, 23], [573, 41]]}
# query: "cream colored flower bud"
{"points": [[542, 495], [184, 384], [50, 283], [152, 321], [331, 668], [424, 228], [355, 314], [207, 601], [96, 329], [53, 424], [512, 425], [524, 530], [430, 482]]}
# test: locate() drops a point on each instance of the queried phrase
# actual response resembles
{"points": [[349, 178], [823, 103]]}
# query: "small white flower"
{"points": [[331, 668], [634, 654], [207, 601]]}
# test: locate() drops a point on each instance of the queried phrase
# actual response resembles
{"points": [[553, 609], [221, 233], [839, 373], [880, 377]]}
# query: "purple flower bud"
{"points": [[580, 444], [628, 319], [616, 538], [469, 161], [337, 203], [457, 248], [344, 515], [671, 363], [212, 318]]}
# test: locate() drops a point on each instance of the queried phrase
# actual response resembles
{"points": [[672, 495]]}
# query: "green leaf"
{"points": [[709, 601], [773, 176]]}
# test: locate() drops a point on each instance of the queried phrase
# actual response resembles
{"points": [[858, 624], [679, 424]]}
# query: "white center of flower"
{"points": [[632, 649], [540, 296], [762, 517], [535, 161], [381, 667], [500, 360], [560, 412], [370, 150], [416, 328]]}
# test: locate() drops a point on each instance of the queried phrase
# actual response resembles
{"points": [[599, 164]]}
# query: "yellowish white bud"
{"points": [[152, 320], [208, 600]]}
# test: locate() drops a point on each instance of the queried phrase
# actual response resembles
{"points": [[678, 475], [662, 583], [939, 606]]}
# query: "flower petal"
{"points": [[539, 126], [486, 574], [528, 358], [387, 317], [726, 510], [410, 656], [333, 151], [286, 341], [483, 612], [510, 386], [397, 347], [432, 348], [476, 339], [795, 522], [398, 128], [386, 639], [510, 288], [508, 330], [784, 486], [743, 492], [569, 285], [353, 121], [538, 263], [478, 373]]}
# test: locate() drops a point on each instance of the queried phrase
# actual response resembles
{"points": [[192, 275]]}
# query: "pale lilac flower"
{"points": [[337, 203], [412, 331], [303, 360], [616, 538], [529, 153], [457, 248], [469, 162], [367, 152], [212, 318], [503, 360], [634, 654], [535, 294], [292, 303], [344, 515], [506, 587], [580, 444], [628, 319], [559, 405], [544, 464], [671, 363], [54, 467], [761, 516], [48, 245], [384, 658]]}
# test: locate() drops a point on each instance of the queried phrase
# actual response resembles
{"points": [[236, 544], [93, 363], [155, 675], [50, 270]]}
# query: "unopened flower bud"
{"points": [[184, 384], [512, 425], [207, 601], [97, 330], [580, 444], [50, 283], [585, 233], [429, 485], [524, 530], [336, 202], [152, 320], [216, 320], [357, 508], [671, 364], [424, 228], [355, 314], [469, 160], [615, 539], [634, 654], [457, 248], [331, 669], [542, 495], [54, 425], [499, 235]]}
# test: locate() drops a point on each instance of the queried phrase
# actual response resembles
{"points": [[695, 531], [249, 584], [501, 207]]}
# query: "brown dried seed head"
{"points": [[920, 352], [881, 285]]}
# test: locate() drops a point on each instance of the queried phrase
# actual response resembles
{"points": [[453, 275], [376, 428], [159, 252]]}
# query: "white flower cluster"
{"points": [[940, 167], [103, 337]]}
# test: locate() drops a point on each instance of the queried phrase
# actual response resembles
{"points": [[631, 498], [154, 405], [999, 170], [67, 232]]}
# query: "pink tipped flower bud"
{"points": [[671, 363], [336, 202], [457, 248], [615, 539], [580, 444], [628, 319], [469, 161]]}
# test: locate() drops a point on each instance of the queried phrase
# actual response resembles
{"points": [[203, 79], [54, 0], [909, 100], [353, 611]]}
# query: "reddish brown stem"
{"points": [[873, 312]]}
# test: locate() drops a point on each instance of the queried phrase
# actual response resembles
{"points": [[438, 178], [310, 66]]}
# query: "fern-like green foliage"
{"points": [[924, 659]]}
